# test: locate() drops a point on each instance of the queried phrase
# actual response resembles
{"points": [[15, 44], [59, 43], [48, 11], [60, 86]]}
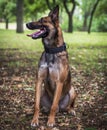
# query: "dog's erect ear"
{"points": [[54, 13]]}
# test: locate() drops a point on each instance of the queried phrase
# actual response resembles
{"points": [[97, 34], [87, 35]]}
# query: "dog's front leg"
{"points": [[57, 95], [35, 122]]}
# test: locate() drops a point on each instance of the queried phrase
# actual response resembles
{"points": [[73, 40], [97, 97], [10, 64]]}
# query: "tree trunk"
{"points": [[70, 14], [20, 16], [70, 24], [7, 23], [48, 4], [92, 14], [54, 2], [84, 27]]}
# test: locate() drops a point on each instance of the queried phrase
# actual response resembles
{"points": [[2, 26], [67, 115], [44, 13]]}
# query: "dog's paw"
{"points": [[51, 123], [34, 123]]}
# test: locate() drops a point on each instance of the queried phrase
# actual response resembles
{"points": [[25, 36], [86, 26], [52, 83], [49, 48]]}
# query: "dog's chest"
{"points": [[51, 67], [53, 71]]}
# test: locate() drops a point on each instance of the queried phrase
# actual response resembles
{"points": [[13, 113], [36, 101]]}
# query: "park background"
{"points": [[84, 25]]}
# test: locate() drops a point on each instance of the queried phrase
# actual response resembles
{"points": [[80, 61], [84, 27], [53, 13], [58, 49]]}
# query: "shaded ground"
{"points": [[17, 79]]}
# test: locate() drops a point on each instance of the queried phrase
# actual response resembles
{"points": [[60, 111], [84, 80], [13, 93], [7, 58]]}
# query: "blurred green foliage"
{"points": [[34, 9]]}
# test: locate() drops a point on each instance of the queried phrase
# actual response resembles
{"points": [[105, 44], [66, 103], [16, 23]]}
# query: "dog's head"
{"points": [[44, 25]]}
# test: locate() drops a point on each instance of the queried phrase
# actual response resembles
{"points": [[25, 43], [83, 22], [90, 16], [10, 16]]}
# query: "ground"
{"points": [[17, 81]]}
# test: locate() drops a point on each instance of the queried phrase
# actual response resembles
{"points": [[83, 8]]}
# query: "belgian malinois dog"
{"points": [[53, 70]]}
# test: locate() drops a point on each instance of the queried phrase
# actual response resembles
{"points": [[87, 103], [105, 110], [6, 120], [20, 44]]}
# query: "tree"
{"points": [[49, 4], [102, 8], [33, 8], [19, 16], [92, 14], [88, 10], [7, 10], [70, 13], [101, 16], [85, 6]]}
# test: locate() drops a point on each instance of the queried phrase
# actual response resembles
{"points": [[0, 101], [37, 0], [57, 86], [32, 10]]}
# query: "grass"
{"points": [[9, 39], [86, 52]]}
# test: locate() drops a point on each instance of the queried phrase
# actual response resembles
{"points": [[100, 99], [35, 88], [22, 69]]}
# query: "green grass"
{"points": [[86, 52], [10, 39]]}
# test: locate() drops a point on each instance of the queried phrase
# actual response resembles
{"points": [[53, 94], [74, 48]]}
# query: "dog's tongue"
{"points": [[36, 33]]}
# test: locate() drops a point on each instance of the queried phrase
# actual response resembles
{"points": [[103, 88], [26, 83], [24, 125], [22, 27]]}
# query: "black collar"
{"points": [[55, 50]]}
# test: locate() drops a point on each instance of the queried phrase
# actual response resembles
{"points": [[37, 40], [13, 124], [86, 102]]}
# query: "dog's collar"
{"points": [[55, 50]]}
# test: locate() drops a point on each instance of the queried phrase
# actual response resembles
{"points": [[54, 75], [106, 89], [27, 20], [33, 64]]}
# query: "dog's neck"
{"points": [[54, 41]]}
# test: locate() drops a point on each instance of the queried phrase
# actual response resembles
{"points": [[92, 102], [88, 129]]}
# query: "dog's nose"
{"points": [[29, 26]]}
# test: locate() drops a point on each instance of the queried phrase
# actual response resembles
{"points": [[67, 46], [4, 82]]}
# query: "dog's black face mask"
{"points": [[44, 25]]}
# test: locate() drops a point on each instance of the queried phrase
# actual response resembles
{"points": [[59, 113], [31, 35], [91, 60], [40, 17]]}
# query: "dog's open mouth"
{"points": [[38, 34]]}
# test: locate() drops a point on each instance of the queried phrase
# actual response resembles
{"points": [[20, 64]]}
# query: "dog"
{"points": [[53, 73]]}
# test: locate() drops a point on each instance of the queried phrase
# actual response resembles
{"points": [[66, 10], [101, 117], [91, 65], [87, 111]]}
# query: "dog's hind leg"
{"points": [[45, 102], [64, 102]]}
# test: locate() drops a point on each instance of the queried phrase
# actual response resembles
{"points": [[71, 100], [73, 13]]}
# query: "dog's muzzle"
{"points": [[30, 26]]}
